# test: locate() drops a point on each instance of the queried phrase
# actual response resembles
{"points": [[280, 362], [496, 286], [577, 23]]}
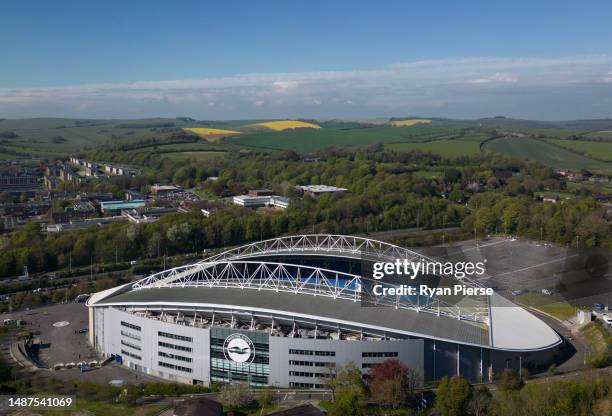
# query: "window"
{"points": [[174, 357], [311, 363], [174, 367], [130, 335], [310, 352], [308, 374], [379, 354], [128, 344], [173, 336], [173, 346], [300, 374], [306, 385], [129, 354], [131, 326]]}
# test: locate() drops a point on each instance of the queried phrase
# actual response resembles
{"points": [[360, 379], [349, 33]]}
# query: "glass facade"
{"points": [[226, 367]]}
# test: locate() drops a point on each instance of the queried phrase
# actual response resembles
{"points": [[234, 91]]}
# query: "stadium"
{"points": [[287, 311]]}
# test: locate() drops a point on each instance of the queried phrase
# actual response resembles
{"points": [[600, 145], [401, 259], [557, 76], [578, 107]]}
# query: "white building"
{"points": [[316, 190], [249, 201]]}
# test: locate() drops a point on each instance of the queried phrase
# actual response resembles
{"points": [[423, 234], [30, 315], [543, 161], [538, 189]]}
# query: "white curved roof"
{"points": [[514, 328]]}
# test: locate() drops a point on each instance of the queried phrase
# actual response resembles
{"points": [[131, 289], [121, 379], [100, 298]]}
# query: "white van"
{"points": [[607, 319]]}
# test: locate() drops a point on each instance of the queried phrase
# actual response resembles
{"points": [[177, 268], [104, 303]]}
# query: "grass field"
{"points": [[604, 134], [599, 342], [50, 137], [211, 134], [604, 188], [561, 310], [444, 148], [546, 153], [196, 156], [281, 125], [409, 122], [595, 150], [307, 140]]}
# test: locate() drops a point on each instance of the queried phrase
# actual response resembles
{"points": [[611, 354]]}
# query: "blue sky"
{"points": [[536, 59]]}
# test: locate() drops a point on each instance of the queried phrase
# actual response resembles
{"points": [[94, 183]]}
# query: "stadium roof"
{"points": [[230, 282]]}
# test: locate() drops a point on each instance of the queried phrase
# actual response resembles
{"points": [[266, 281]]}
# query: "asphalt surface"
{"points": [[581, 276], [64, 344]]}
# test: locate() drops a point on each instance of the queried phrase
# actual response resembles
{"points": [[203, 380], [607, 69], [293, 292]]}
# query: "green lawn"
{"points": [[599, 344], [561, 310], [595, 150], [445, 148], [58, 136], [604, 134], [604, 188], [546, 153], [429, 174], [307, 140]]}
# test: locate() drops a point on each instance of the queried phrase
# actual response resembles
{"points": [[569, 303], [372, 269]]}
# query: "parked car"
{"points": [[598, 307], [547, 292], [607, 320], [83, 297], [517, 292]]}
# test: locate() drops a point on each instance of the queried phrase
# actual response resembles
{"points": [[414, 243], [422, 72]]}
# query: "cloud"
{"points": [[500, 78], [458, 87]]}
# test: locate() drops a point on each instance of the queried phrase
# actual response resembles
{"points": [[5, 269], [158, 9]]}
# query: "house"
{"points": [[550, 198], [318, 190], [201, 406], [131, 195], [163, 190], [260, 192], [110, 206], [146, 215], [249, 201], [301, 410]]}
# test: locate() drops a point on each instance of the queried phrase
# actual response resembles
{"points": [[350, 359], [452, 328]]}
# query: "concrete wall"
{"points": [[432, 359], [108, 338], [410, 352]]}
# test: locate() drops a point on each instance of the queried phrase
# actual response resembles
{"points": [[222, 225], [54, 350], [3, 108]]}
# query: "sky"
{"points": [[547, 60]]}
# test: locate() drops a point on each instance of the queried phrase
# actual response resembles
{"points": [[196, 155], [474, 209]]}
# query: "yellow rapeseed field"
{"points": [[206, 132], [286, 125], [409, 122]]}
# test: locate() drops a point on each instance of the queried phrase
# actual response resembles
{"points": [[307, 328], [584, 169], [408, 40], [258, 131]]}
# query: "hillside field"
{"points": [[595, 150], [444, 148], [546, 153], [308, 140], [210, 134], [281, 125], [53, 137], [409, 122]]}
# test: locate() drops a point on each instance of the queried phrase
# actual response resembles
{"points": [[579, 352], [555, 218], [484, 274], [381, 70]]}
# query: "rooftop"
{"points": [[321, 188]]}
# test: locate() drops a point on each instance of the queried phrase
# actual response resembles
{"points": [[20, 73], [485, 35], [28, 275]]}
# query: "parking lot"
{"points": [[581, 276], [64, 343]]}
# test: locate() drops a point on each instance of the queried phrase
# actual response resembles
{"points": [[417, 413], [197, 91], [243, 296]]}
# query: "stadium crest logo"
{"points": [[239, 348]]}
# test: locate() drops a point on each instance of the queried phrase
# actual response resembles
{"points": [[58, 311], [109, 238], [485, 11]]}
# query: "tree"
{"points": [[510, 380], [235, 395], [481, 402], [266, 398], [348, 390], [453, 396], [392, 382], [485, 220]]}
